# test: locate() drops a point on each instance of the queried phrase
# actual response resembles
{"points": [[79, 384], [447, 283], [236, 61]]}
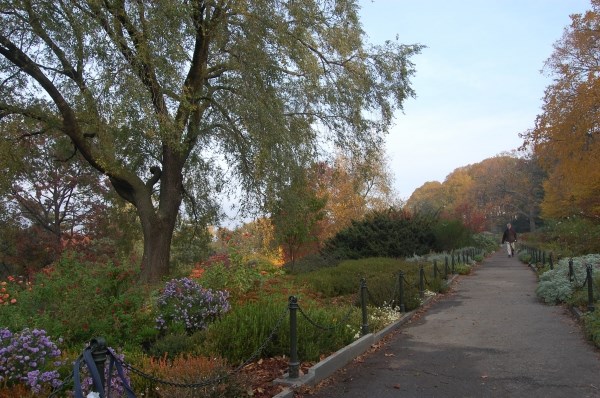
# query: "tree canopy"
{"points": [[485, 195], [566, 136], [177, 100]]}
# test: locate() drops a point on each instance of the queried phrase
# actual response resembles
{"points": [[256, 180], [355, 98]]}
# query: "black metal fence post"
{"points": [[452, 263], [435, 269], [590, 283], [421, 282], [446, 267], [543, 259], [551, 260], [570, 270], [363, 303], [99, 355], [294, 364], [401, 291]]}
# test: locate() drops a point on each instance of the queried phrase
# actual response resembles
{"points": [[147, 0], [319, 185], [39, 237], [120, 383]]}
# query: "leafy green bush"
{"points": [[79, 300], [572, 236], [451, 234], [234, 273], [591, 324], [485, 241], [311, 262], [247, 327], [463, 269], [235, 278], [580, 296], [525, 257], [172, 345], [344, 279], [382, 279]]}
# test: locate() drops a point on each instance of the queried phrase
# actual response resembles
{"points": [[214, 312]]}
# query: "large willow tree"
{"points": [[164, 96]]}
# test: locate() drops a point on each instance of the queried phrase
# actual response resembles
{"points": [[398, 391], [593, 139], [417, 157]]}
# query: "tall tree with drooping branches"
{"points": [[160, 94]]}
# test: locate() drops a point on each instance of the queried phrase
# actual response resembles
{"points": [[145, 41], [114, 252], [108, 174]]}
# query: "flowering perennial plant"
{"points": [[427, 294], [29, 357], [11, 287], [184, 303], [386, 314]]}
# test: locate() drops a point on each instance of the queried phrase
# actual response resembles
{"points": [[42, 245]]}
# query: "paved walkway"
{"points": [[489, 337]]}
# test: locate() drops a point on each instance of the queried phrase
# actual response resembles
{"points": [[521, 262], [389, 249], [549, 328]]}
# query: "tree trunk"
{"points": [[158, 220], [157, 249]]}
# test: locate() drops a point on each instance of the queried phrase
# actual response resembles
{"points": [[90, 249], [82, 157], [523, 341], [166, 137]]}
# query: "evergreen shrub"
{"points": [[450, 234], [392, 233]]}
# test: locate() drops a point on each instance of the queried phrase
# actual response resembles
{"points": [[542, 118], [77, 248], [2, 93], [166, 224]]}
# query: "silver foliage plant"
{"points": [[554, 286]]}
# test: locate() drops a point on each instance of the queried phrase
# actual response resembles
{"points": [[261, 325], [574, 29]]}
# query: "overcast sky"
{"points": [[478, 82]]}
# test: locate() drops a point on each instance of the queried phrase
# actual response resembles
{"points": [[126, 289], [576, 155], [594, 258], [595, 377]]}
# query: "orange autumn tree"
{"points": [[507, 187], [353, 186], [429, 198], [566, 136], [451, 199], [485, 195], [326, 198]]}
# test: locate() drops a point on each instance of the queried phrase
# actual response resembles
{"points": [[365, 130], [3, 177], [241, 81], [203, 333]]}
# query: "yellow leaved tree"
{"points": [[566, 136]]}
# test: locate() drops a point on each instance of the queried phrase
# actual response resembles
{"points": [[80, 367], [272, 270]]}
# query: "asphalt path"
{"points": [[490, 336]]}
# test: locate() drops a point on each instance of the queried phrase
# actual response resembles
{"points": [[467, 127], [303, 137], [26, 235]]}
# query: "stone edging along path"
{"points": [[369, 342], [345, 355]]}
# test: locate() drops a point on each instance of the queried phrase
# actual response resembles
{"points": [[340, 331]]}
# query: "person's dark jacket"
{"points": [[510, 235]]}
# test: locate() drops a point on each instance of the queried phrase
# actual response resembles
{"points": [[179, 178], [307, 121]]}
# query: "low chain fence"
{"points": [[539, 259], [97, 355]]}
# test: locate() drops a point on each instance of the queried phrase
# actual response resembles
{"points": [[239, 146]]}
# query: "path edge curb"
{"points": [[345, 355]]}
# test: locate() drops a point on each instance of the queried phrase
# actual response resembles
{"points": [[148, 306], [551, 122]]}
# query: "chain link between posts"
{"points": [[204, 383]]}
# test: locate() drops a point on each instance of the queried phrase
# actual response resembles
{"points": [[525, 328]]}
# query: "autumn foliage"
{"points": [[566, 136], [485, 195]]}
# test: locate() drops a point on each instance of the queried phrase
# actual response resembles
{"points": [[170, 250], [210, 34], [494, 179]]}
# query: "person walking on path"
{"points": [[510, 238]]}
